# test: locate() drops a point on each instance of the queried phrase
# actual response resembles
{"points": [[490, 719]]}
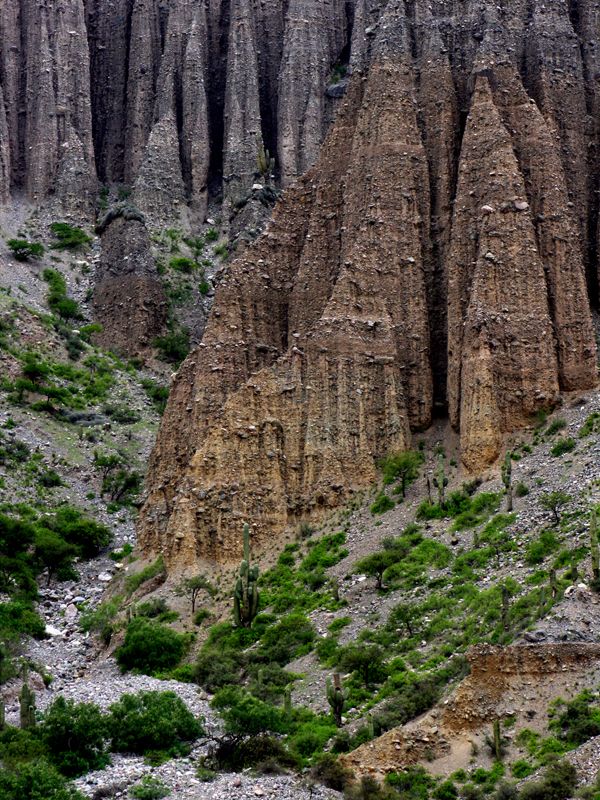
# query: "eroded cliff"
{"points": [[440, 254]]}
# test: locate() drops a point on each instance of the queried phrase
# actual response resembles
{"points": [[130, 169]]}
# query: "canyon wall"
{"points": [[435, 250], [439, 257]]}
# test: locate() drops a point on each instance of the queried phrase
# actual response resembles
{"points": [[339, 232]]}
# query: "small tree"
{"points": [[23, 250], [404, 614], [403, 467], [191, 587], [366, 660], [375, 565], [54, 554], [554, 502]]}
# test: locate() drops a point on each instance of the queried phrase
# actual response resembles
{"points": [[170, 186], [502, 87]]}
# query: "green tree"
{"points": [[246, 715], [151, 647], [375, 565], [192, 587], [54, 554], [365, 660], [555, 502], [403, 467], [151, 721], [75, 736]]}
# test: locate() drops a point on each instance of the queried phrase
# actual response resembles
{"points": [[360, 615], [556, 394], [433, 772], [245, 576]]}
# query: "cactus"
{"points": [[2, 715], [594, 548], [336, 697], [498, 749], [27, 707], [246, 596], [264, 161], [505, 607], [553, 584], [287, 701], [573, 572], [542, 606], [440, 481], [507, 481]]}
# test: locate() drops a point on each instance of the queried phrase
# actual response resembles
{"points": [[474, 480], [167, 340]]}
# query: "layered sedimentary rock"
{"points": [[440, 254], [129, 299]]}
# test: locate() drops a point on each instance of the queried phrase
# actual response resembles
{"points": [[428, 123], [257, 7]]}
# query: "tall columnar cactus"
{"points": [[505, 607], [497, 747], [246, 596], [440, 481], [336, 697], [2, 715], [27, 707], [594, 548], [287, 700], [507, 481], [553, 584]]}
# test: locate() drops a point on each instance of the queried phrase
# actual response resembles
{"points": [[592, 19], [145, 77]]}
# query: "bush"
{"points": [[68, 237], [563, 446], [403, 467], [151, 647], [365, 660], [75, 736], [151, 722], [173, 347], [331, 773], [577, 720], [183, 264], [246, 715], [36, 780], [57, 298], [23, 250], [133, 582], [149, 788], [382, 504], [558, 783]]}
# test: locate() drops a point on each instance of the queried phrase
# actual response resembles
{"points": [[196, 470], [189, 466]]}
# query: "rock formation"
{"points": [[129, 299], [440, 254]]}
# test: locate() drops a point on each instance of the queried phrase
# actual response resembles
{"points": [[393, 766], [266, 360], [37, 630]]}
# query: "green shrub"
{"points": [[74, 735], [174, 346], [100, 620], [58, 300], [522, 769], [382, 504], [150, 647], [23, 250], [555, 426], [151, 722], [68, 237], [521, 489], [558, 783], [149, 788], [158, 393], [183, 264], [563, 446], [591, 425], [211, 235], [245, 715], [36, 780], [133, 582], [365, 660], [538, 550], [577, 720], [204, 288]]}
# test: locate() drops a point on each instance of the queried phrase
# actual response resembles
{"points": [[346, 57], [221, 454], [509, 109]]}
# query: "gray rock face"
{"points": [[46, 118], [165, 97]]}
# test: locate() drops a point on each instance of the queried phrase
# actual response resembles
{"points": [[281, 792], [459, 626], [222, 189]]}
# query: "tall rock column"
{"points": [[502, 364]]}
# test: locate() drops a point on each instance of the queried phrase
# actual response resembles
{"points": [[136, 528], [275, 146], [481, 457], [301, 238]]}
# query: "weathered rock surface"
{"points": [[165, 96], [441, 252], [129, 299]]}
